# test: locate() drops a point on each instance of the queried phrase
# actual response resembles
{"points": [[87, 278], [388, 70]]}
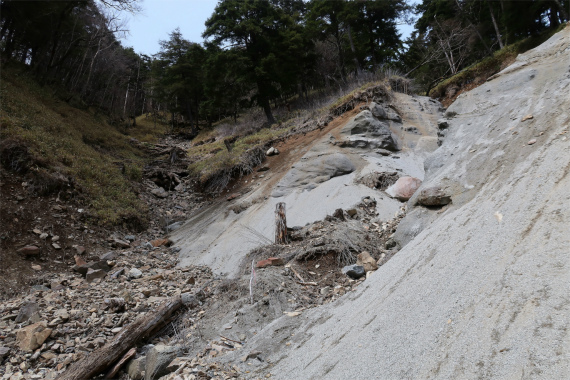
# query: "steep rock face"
{"points": [[481, 288]]}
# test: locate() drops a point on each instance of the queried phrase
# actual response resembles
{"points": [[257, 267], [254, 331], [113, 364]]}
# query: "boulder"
{"points": [[433, 196], [354, 271], [366, 125], [158, 359], [33, 336], [29, 250], [404, 188], [272, 152], [26, 312], [366, 261]]}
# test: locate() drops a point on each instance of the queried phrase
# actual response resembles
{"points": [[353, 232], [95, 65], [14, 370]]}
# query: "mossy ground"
{"points": [[77, 143], [480, 71]]}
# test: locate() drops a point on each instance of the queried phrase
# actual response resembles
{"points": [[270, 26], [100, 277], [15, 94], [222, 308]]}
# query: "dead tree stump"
{"points": [[280, 224]]}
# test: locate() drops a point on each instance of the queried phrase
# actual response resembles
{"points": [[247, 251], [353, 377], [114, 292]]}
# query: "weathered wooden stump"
{"points": [[280, 224]]}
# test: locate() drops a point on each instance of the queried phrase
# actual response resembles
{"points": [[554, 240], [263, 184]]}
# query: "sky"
{"points": [[160, 17]]}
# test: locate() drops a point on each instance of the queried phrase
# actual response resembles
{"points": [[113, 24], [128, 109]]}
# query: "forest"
{"points": [[256, 53]]}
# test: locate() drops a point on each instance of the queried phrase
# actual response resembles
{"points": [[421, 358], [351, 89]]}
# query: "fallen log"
{"points": [[141, 328]]}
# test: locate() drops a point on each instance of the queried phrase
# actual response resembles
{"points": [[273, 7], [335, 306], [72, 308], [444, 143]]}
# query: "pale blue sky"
{"points": [[160, 17]]}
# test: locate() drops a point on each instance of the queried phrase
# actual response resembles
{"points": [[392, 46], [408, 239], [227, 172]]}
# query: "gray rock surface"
{"points": [[157, 359], [27, 311], [482, 291], [135, 368], [382, 112], [308, 173], [368, 128], [324, 177]]}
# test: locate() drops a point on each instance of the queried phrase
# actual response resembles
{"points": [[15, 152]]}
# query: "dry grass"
{"points": [[73, 143]]}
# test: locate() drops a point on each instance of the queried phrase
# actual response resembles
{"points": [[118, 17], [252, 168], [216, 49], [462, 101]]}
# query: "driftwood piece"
{"points": [[280, 224], [104, 357]]}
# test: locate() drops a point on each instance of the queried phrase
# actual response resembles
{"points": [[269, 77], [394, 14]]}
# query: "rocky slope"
{"points": [[314, 176], [481, 288]]}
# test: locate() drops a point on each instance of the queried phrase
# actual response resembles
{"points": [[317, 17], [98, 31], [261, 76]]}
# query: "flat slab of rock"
{"points": [[33, 336], [26, 312], [272, 261], [404, 188], [93, 274], [309, 173]]}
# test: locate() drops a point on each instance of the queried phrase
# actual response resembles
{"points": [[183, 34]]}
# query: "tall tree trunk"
{"points": [[497, 32], [356, 63]]}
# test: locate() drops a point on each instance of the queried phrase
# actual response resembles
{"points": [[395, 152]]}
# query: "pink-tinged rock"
{"points": [[404, 188], [29, 250]]}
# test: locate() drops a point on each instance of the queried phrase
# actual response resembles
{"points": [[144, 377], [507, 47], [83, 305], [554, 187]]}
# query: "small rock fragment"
{"points": [[527, 117], [93, 274], [531, 142], [29, 250], [354, 271], [27, 310], [134, 273]]}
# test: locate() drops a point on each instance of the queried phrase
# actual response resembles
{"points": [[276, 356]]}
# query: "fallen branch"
{"points": [[296, 274], [231, 340], [142, 328], [307, 283]]}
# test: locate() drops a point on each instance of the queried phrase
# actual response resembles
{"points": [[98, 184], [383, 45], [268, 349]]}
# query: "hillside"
{"points": [[480, 289], [460, 273]]}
